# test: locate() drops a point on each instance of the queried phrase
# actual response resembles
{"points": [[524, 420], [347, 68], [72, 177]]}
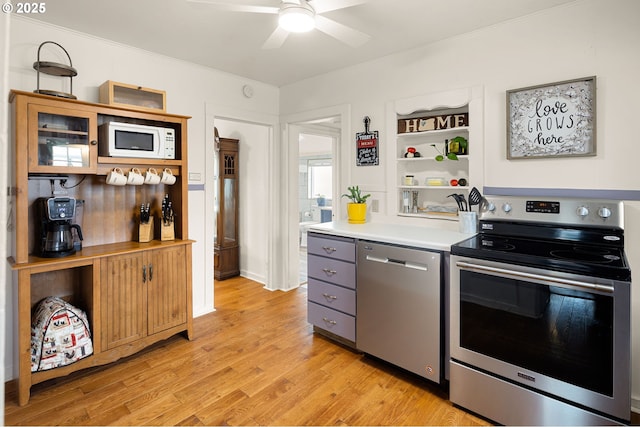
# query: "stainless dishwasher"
{"points": [[399, 307]]}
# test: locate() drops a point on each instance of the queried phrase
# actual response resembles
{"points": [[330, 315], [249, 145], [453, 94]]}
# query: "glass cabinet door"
{"points": [[227, 201], [62, 141], [230, 227]]}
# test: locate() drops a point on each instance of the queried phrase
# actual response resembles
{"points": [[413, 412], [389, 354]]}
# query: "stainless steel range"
{"points": [[540, 313]]}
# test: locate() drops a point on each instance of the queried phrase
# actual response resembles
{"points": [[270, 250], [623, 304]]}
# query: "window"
{"points": [[320, 178]]}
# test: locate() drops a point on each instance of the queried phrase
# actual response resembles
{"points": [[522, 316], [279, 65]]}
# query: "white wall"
{"points": [[189, 88], [580, 39], [253, 195]]}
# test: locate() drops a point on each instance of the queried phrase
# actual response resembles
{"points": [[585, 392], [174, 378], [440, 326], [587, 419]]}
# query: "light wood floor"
{"points": [[255, 361]]}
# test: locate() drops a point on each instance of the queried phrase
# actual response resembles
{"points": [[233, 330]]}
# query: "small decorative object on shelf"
{"points": [[411, 152], [431, 123], [458, 145], [55, 69], [440, 157]]}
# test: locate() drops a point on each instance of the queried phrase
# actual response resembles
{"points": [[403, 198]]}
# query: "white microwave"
{"points": [[116, 139]]}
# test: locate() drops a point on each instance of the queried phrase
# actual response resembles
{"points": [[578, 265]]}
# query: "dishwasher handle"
{"points": [[407, 264]]}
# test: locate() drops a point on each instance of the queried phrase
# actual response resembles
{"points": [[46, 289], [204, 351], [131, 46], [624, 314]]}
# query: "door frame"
{"points": [[213, 111], [290, 154]]}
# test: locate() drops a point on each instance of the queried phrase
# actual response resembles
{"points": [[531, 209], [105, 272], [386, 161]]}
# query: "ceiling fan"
{"points": [[300, 16]]}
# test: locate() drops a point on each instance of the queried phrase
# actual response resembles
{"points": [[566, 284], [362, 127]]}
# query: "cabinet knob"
{"points": [[329, 249], [144, 274], [94, 142]]}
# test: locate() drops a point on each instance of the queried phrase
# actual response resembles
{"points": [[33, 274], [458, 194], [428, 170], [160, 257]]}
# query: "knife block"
{"points": [[145, 231], [167, 231]]}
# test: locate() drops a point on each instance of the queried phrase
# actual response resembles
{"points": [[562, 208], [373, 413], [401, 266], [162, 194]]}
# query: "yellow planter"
{"points": [[357, 213]]}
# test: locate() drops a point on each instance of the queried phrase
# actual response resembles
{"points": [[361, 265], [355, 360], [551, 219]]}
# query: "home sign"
{"points": [[441, 122]]}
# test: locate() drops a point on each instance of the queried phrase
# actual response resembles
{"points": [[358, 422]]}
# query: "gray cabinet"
{"points": [[332, 286]]}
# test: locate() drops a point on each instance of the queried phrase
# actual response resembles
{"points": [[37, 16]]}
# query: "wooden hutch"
{"points": [[135, 294]]}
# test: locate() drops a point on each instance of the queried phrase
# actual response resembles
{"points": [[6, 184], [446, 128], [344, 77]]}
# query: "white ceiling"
{"points": [[232, 41]]}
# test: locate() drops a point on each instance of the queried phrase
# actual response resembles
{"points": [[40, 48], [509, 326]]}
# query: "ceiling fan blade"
{"points": [[276, 39], [321, 6], [347, 35], [232, 7]]}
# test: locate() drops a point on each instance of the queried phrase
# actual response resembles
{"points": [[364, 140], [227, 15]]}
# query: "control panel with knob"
{"points": [[604, 212], [582, 211], [556, 210]]}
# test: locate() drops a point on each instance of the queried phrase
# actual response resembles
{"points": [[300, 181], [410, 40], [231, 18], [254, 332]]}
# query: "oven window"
{"points": [[561, 333]]}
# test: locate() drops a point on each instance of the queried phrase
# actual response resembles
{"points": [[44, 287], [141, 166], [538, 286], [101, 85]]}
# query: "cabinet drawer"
{"points": [[332, 296], [331, 320], [332, 248], [331, 270]]}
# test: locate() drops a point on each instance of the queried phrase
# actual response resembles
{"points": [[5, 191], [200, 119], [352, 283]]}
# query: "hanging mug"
{"points": [[151, 176], [135, 177], [116, 177], [167, 177]]}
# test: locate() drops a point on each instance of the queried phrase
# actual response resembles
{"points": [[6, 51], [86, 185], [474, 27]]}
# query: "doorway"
{"points": [[316, 148], [329, 122]]}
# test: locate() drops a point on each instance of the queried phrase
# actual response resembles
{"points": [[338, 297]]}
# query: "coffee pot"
{"points": [[56, 214]]}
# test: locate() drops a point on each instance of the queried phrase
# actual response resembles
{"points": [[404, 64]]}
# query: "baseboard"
{"points": [[255, 277]]}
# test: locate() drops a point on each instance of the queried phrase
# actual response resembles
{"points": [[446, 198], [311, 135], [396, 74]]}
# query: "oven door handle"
{"points": [[522, 275]]}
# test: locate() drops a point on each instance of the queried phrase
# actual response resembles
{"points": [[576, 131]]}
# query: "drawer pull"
{"points": [[329, 272], [330, 322], [329, 297], [329, 249]]}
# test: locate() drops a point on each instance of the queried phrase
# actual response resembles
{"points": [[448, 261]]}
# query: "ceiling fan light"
{"points": [[297, 19]]}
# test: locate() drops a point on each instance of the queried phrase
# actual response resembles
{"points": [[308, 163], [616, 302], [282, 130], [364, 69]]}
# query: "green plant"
{"points": [[355, 196], [440, 156]]}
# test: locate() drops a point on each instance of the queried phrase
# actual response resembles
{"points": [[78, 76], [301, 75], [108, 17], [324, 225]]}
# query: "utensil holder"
{"points": [[145, 231], [468, 222], [167, 232]]}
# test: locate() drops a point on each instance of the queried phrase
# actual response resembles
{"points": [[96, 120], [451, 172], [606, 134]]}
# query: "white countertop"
{"points": [[410, 235]]}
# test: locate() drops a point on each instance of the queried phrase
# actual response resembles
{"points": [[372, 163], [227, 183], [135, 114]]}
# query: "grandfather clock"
{"points": [[226, 252]]}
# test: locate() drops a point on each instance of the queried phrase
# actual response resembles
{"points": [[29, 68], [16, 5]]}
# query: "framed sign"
{"points": [[552, 120], [367, 146]]}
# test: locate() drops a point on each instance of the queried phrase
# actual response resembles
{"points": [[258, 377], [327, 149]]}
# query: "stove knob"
{"points": [[604, 212], [491, 207], [582, 211], [506, 207]]}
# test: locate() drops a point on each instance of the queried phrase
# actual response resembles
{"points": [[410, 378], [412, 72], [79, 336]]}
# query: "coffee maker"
{"points": [[56, 214]]}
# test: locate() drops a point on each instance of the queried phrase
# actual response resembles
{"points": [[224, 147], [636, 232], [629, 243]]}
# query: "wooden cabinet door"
{"points": [[123, 299], [167, 288]]}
